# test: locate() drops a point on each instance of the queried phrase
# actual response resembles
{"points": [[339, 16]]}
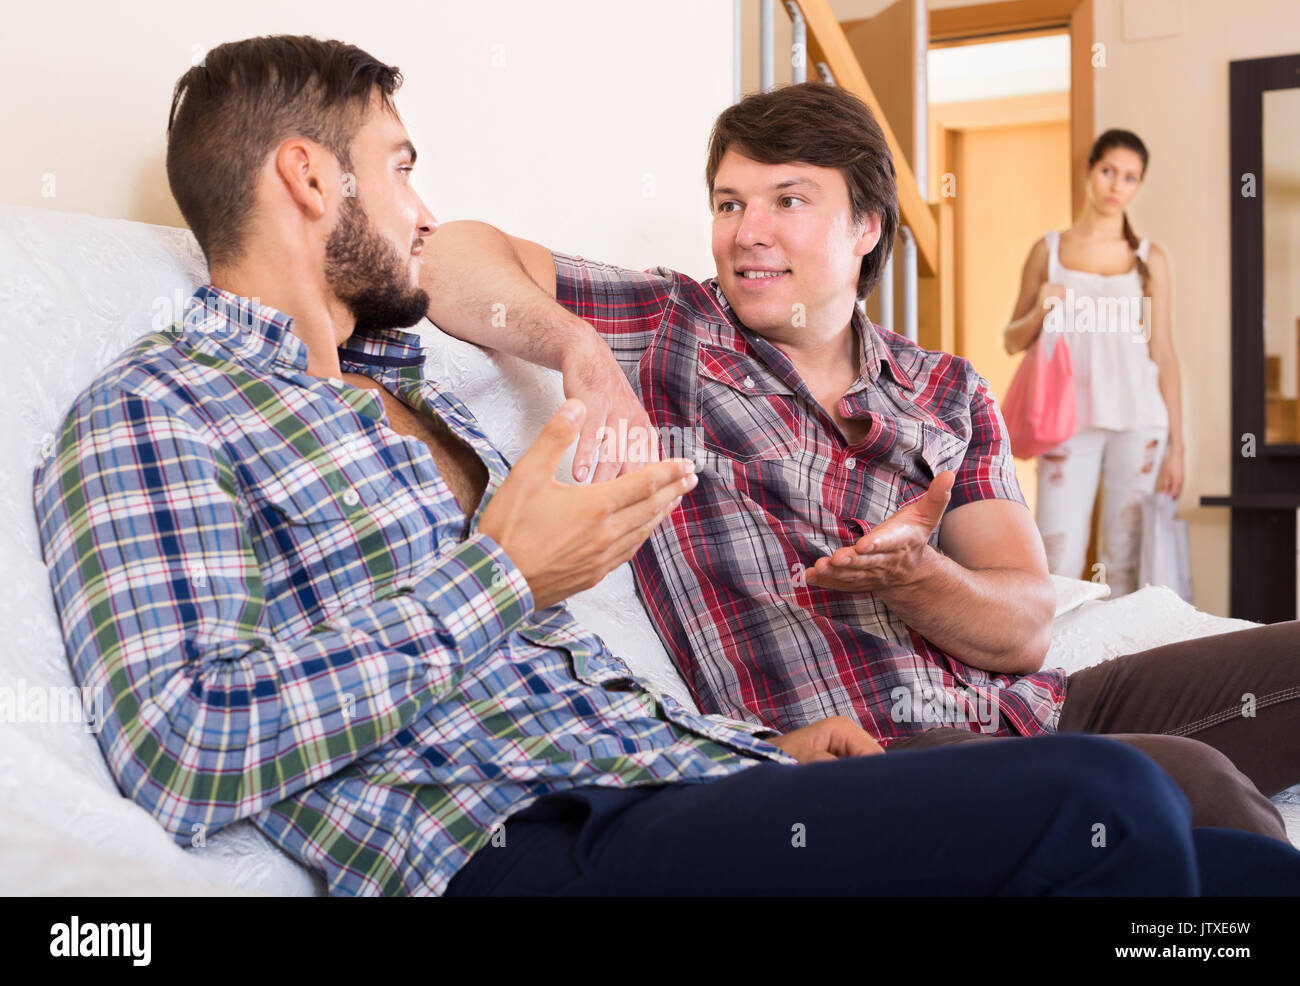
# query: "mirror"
{"points": [[1280, 198]]}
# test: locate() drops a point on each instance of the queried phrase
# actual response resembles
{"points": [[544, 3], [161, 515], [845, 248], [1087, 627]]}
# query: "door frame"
{"points": [[947, 122], [949, 119], [957, 25]]}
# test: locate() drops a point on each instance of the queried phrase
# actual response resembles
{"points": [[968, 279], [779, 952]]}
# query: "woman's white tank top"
{"points": [[1106, 325]]}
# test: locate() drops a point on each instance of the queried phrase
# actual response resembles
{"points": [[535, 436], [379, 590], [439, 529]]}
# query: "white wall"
{"points": [[580, 123]]}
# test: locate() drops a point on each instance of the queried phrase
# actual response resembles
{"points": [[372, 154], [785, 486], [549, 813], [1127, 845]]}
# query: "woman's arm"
{"points": [[1027, 317], [1161, 347]]}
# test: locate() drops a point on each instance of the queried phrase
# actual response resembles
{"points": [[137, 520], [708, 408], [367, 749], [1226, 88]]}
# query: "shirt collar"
{"points": [[261, 336], [873, 352]]}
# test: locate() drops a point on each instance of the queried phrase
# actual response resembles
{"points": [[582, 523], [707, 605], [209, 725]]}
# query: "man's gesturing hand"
{"points": [[829, 739], [892, 553], [592, 375], [566, 538]]}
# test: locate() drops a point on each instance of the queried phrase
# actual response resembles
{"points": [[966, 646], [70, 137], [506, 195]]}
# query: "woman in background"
{"points": [[1114, 316]]}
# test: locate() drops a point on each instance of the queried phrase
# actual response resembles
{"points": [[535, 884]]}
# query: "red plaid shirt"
{"points": [[779, 488]]}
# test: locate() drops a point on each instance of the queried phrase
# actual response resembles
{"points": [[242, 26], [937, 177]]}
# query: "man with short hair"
{"points": [[858, 544], [317, 598]]}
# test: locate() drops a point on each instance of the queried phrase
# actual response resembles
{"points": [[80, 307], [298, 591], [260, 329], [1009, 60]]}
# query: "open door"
{"points": [[1005, 165]]}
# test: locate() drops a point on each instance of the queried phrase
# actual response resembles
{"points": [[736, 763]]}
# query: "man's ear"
{"points": [[303, 168], [869, 235]]}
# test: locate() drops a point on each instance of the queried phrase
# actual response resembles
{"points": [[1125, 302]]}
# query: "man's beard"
{"points": [[367, 274]]}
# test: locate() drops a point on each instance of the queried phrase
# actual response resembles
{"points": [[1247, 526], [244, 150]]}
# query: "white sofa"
{"points": [[74, 292]]}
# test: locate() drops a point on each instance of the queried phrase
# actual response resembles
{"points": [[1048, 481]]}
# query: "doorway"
{"points": [[1000, 148], [970, 123], [1005, 163]]}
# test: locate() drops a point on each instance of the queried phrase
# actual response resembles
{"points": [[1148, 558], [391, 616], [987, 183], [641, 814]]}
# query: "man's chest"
{"points": [[808, 466], [852, 430], [458, 464], [746, 412]]}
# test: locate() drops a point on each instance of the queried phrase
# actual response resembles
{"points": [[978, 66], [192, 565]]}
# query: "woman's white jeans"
{"points": [[1127, 463]]}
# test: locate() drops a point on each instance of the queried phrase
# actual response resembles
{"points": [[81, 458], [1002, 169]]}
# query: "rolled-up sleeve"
{"points": [[626, 307], [988, 470]]}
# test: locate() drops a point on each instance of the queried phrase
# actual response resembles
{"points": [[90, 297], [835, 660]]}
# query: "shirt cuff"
{"points": [[476, 593], [998, 483], [762, 734]]}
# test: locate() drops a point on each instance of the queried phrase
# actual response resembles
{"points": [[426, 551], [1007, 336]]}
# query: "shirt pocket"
{"points": [[743, 411], [941, 449], [317, 503], [324, 539], [934, 449]]}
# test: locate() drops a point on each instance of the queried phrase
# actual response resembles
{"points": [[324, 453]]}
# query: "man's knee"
{"points": [[1124, 801], [1084, 763], [1219, 793], [1085, 766], [1107, 761], [1188, 760]]}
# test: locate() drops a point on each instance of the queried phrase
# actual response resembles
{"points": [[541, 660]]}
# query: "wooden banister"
{"points": [[914, 211]]}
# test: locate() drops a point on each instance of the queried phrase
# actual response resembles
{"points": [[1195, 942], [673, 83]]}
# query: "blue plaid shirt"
{"points": [[292, 622]]}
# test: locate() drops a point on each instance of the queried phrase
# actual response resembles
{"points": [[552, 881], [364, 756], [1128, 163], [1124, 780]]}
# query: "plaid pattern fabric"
{"points": [[292, 622], [778, 489]]}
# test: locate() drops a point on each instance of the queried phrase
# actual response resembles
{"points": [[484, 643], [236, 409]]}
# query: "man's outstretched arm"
{"points": [[499, 292], [210, 717], [987, 597]]}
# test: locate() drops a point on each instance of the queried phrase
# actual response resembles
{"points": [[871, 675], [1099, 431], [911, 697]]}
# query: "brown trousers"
{"points": [[1220, 714]]}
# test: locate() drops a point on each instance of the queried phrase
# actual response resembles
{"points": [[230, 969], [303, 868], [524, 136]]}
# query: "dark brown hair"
{"points": [[242, 102], [825, 126], [1132, 142]]}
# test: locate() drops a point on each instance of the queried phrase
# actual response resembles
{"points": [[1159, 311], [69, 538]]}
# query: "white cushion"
{"points": [[1073, 593], [74, 292]]}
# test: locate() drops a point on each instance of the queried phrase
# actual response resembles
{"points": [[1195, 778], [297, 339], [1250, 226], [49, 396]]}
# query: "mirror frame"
{"points": [[1249, 80]]}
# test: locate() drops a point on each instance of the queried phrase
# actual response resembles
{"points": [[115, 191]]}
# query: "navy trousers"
{"points": [[1062, 815]]}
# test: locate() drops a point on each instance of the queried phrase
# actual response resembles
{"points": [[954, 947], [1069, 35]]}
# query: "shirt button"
{"points": [[749, 383], [335, 381], [351, 497], [850, 463]]}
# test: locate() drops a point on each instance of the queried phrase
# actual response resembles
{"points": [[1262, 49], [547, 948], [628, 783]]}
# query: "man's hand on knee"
{"points": [[829, 739]]}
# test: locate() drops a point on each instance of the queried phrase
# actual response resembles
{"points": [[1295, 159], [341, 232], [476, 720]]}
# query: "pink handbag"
{"points": [[1039, 408]]}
